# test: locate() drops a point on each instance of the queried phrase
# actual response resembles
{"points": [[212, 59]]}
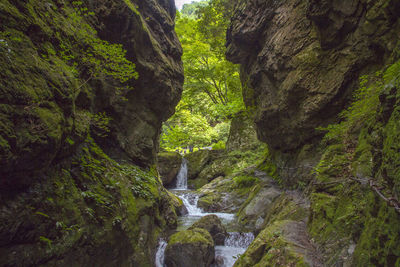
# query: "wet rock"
{"points": [[219, 261], [214, 226], [190, 248], [175, 202], [219, 196], [168, 166]]}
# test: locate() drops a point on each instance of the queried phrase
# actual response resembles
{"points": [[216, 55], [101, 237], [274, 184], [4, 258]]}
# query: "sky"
{"points": [[180, 3]]}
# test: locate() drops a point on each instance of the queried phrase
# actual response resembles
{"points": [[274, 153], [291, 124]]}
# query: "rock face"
{"points": [[46, 115], [300, 60], [214, 226], [204, 166], [168, 166], [146, 30], [69, 135], [284, 240], [190, 248], [242, 134]]}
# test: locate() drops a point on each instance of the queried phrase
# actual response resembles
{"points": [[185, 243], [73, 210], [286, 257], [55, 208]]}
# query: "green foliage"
{"points": [[100, 123], [361, 149], [244, 181], [366, 105], [186, 129], [190, 10], [82, 55], [220, 145], [212, 89]]}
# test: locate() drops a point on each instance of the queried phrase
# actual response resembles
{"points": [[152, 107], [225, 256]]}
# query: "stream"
{"points": [[235, 244]]}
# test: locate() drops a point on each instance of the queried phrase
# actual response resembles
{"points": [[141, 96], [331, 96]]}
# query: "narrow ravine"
{"points": [[236, 242]]}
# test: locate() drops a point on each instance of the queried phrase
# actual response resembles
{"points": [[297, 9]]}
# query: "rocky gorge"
{"points": [[78, 184], [310, 175]]}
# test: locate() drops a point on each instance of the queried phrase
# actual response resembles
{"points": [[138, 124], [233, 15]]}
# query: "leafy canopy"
{"points": [[212, 89]]}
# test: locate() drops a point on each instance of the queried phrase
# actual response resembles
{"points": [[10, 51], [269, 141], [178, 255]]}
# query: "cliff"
{"points": [[323, 79], [300, 60], [75, 123]]}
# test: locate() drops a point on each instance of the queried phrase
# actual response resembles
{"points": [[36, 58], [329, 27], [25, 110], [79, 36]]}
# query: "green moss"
{"points": [[133, 7], [197, 183], [52, 119], [271, 248], [196, 235], [379, 243], [284, 208], [245, 181], [391, 147], [363, 147], [252, 194], [269, 167]]}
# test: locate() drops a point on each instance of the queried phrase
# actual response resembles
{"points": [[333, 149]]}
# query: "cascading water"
{"points": [[235, 244], [181, 178], [160, 253], [239, 240], [190, 202]]}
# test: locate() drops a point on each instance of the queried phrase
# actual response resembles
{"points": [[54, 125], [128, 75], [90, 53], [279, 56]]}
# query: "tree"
{"points": [[207, 72], [212, 89]]}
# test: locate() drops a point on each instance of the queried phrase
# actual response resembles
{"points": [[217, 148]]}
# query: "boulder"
{"points": [[196, 162], [177, 203], [214, 226], [168, 166], [190, 248], [257, 206]]}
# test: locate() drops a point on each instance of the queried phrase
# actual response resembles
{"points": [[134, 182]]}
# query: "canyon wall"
{"points": [[73, 130], [323, 79]]}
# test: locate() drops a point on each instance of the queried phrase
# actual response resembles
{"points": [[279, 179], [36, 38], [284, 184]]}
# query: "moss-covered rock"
{"points": [[214, 226], [196, 162], [350, 218], [64, 201], [284, 239], [257, 205], [177, 203], [168, 165], [190, 248], [222, 195], [88, 211], [242, 134]]}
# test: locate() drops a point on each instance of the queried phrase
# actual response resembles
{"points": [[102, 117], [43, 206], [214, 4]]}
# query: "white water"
{"points": [[235, 244], [239, 240], [160, 253], [190, 200], [228, 254], [181, 178]]}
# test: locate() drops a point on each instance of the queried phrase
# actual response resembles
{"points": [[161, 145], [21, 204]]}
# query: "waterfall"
{"points": [[181, 178], [235, 245], [190, 202], [239, 240], [160, 253]]}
